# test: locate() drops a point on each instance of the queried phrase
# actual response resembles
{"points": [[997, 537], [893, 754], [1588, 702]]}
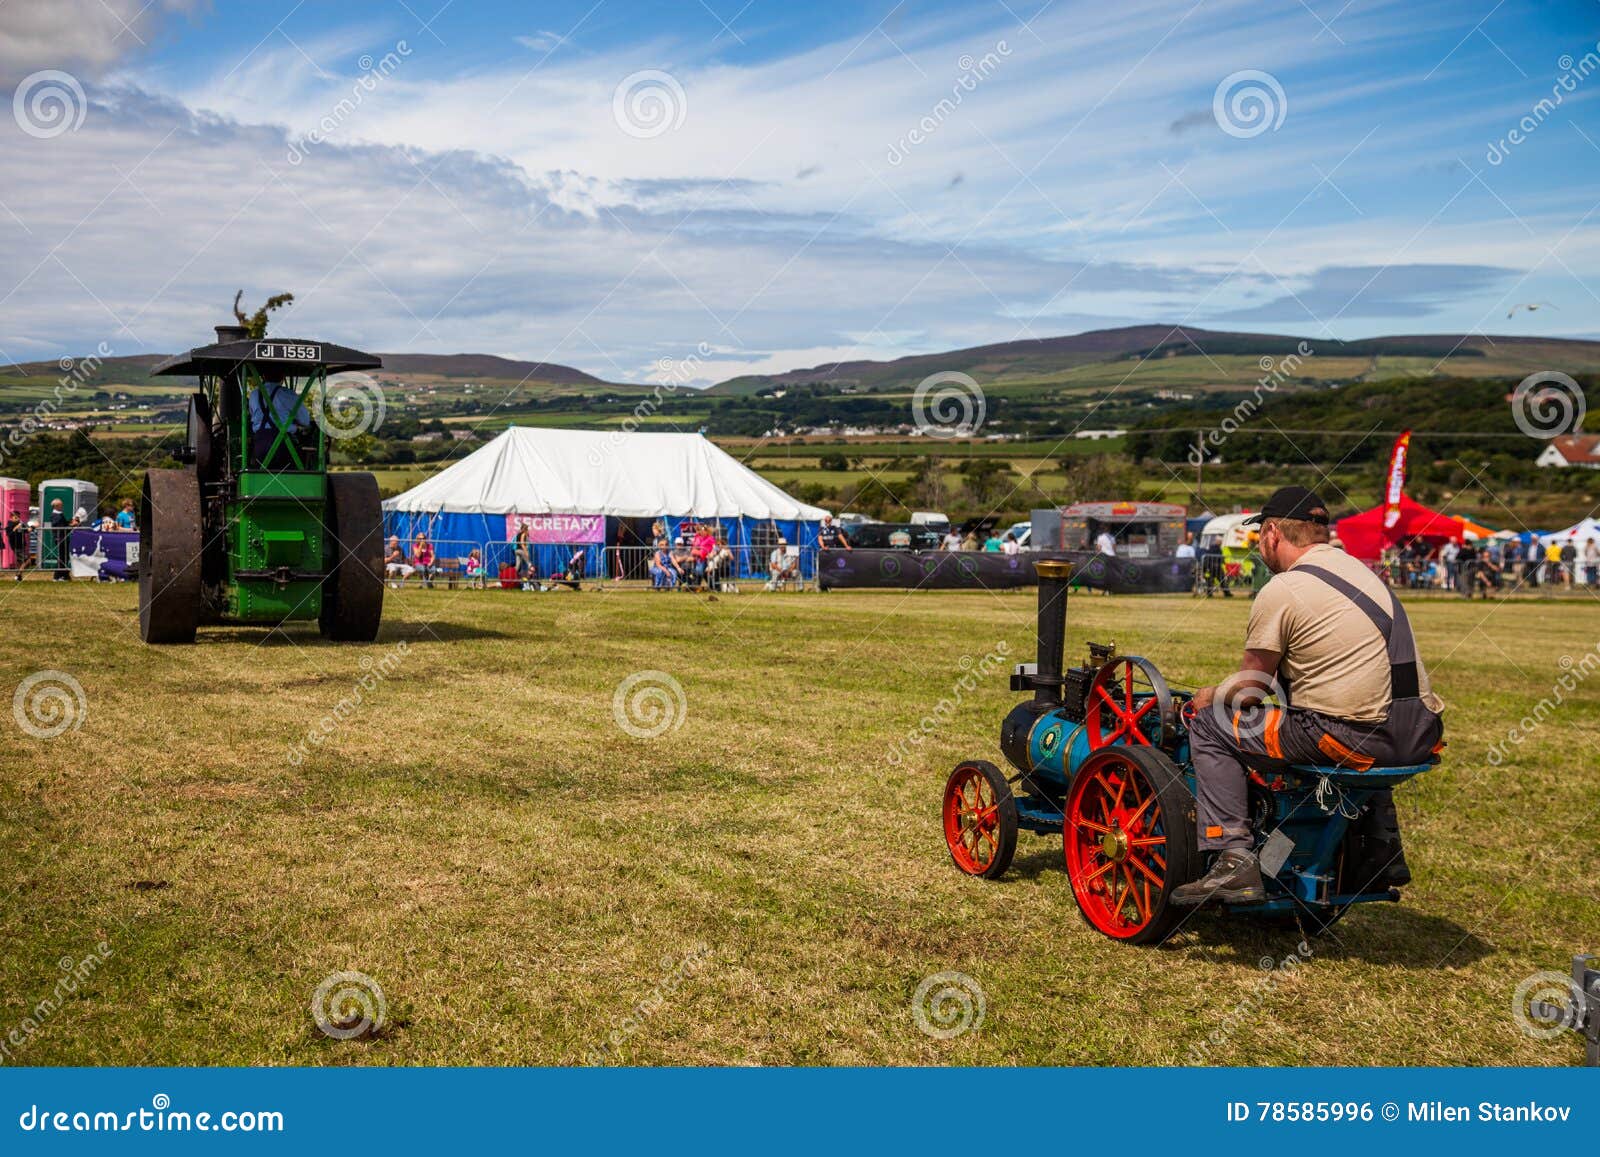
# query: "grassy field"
{"points": [[765, 882]]}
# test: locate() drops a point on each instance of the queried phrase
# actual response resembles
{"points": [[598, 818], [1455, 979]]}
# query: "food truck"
{"points": [[1141, 529]]}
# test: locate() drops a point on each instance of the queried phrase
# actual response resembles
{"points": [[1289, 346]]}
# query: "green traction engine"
{"points": [[254, 529]]}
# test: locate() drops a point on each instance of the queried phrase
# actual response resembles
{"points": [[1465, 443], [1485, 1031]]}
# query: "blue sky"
{"points": [[635, 188]]}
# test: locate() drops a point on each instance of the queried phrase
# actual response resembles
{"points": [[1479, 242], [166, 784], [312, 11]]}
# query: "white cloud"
{"points": [[542, 41], [503, 209], [87, 36]]}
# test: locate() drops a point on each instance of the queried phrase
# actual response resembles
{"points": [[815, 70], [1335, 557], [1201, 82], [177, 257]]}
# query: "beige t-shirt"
{"points": [[1334, 657]]}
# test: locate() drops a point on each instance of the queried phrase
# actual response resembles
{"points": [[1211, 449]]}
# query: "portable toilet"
{"points": [[14, 495], [75, 495]]}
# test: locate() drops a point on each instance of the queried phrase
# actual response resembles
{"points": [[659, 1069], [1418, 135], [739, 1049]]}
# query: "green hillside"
{"points": [[1174, 357]]}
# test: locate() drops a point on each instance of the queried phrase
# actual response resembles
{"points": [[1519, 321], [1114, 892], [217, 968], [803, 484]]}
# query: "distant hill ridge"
{"points": [[1055, 354], [1033, 357]]}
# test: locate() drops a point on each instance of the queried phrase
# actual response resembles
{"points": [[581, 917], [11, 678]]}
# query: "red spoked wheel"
{"points": [[980, 819], [1129, 838], [1130, 702]]}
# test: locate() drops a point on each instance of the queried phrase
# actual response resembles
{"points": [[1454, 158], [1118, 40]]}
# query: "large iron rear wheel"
{"points": [[352, 594], [170, 536], [1130, 840]]}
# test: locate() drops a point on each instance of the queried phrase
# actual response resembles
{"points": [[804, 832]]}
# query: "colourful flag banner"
{"points": [[1397, 480]]}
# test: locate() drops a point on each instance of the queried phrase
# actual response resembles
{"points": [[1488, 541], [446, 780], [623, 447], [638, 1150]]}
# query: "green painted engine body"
{"points": [[276, 524]]}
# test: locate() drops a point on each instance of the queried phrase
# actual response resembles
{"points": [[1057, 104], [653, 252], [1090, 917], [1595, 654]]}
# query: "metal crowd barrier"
{"points": [[450, 569], [507, 566], [746, 567]]}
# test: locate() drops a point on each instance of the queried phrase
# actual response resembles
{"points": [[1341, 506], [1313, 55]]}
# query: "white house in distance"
{"points": [[1571, 450]]}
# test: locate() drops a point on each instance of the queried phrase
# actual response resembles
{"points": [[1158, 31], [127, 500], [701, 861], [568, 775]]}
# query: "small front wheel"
{"points": [[980, 819]]}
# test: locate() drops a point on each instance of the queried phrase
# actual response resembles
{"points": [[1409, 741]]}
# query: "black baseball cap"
{"points": [[1292, 502]]}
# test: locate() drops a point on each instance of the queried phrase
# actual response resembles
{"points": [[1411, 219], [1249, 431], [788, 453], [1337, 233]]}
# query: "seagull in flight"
{"points": [[1530, 306]]}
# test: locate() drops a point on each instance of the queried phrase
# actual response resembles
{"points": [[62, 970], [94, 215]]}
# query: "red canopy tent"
{"points": [[1365, 536]]}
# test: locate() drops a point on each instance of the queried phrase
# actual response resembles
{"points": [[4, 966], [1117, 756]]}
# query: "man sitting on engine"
{"points": [[1326, 633], [274, 404]]}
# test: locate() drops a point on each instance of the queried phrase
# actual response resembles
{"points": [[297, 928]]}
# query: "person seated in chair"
{"points": [[781, 565], [472, 568], [664, 571], [395, 564], [683, 561], [275, 404], [1326, 634], [422, 558], [719, 567]]}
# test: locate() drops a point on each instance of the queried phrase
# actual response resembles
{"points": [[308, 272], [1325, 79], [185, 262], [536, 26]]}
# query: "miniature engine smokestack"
{"points": [[1054, 575], [227, 333]]}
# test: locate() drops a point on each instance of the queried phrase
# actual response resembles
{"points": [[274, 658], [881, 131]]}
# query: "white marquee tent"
{"points": [[617, 475]]}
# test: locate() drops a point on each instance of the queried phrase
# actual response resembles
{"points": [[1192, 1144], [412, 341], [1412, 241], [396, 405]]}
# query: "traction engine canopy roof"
{"points": [[287, 354]]}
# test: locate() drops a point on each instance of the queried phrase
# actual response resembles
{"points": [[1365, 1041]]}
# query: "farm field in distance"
{"points": [[518, 873]]}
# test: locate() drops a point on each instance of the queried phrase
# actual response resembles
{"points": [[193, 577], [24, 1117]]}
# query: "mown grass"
{"points": [[520, 876]]}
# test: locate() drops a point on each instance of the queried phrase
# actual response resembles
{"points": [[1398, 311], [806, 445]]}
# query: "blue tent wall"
{"points": [[454, 534], [741, 532]]}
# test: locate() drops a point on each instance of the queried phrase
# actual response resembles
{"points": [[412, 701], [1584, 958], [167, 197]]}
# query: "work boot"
{"points": [[1235, 878]]}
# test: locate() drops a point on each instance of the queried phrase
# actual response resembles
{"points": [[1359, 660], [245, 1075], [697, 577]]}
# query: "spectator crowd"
{"points": [[54, 531], [1477, 566]]}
